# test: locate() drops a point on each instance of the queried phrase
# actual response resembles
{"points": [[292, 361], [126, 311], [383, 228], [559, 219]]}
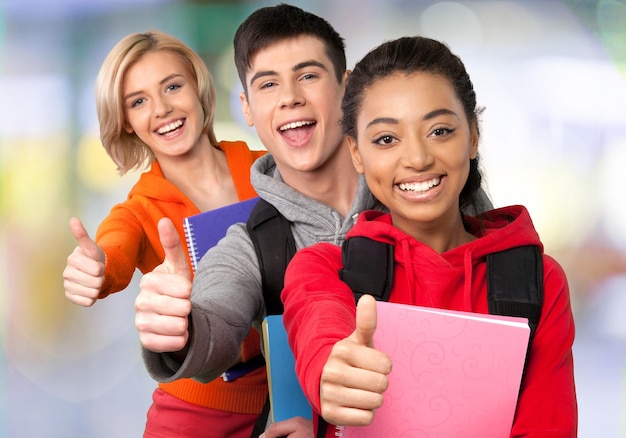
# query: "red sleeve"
{"points": [[547, 404], [319, 311]]}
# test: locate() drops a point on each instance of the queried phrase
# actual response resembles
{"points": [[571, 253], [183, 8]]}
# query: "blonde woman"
{"points": [[155, 101]]}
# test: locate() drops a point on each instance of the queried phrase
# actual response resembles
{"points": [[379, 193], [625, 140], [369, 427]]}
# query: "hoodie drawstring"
{"points": [[409, 270], [467, 287]]}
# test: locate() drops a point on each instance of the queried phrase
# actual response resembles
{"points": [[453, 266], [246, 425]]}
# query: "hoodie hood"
{"points": [[449, 280], [313, 221]]}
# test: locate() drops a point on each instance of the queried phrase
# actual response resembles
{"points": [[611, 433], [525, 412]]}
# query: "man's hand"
{"points": [[355, 375], [296, 427], [164, 302]]}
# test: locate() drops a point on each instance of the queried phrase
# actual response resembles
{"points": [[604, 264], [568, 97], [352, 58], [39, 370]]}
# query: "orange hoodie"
{"points": [[130, 239]]}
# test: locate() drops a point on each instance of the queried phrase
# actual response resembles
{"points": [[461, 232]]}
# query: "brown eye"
{"points": [[384, 140], [440, 132]]}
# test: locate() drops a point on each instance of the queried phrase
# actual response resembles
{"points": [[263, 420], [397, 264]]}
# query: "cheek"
{"points": [[463, 169], [129, 125], [377, 171]]}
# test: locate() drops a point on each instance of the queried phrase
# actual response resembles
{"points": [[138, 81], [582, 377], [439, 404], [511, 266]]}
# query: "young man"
{"points": [[293, 69]]}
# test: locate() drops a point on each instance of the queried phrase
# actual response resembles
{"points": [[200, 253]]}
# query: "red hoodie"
{"points": [[320, 310]]}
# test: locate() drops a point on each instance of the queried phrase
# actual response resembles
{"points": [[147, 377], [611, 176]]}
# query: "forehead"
{"points": [[413, 92], [157, 62], [288, 53]]}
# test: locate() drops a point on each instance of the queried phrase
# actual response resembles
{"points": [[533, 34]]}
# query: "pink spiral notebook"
{"points": [[454, 373]]}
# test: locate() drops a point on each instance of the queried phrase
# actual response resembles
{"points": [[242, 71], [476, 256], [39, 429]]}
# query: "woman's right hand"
{"points": [[355, 375], [83, 275]]}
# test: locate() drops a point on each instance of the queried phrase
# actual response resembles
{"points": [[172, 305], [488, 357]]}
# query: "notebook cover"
{"points": [[286, 396], [204, 230], [454, 373]]}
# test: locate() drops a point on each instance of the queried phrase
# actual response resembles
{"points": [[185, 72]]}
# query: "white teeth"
{"points": [[167, 128], [293, 125], [419, 186]]}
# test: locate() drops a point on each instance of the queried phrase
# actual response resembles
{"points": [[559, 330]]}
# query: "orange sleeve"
{"points": [[121, 237]]}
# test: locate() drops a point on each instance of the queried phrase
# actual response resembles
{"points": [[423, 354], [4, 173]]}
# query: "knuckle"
{"points": [[382, 384], [378, 401]]}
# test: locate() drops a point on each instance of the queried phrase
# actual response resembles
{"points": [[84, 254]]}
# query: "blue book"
{"points": [[286, 397], [204, 230]]}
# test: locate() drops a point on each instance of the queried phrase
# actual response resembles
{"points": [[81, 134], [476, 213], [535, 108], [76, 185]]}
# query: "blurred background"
{"points": [[551, 75]]}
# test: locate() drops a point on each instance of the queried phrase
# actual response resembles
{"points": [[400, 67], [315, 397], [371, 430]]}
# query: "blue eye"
{"points": [[137, 102]]}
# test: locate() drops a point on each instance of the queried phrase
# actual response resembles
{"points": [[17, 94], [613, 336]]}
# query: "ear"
{"points": [[128, 128], [474, 142], [245, 108], [354, 152]]}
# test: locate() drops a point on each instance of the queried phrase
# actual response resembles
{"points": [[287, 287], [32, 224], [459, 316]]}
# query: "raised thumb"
{"points": [[86, 243], [366, 320], [175, 261]]}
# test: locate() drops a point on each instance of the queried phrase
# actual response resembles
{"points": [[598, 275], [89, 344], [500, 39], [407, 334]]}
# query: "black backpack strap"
{"points": [[515, 284], [274, 244], [261, 421], [322, 426], [367, 267]]}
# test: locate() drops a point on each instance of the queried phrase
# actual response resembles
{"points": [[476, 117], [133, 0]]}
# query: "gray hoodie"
{"points": [[227, 297]]}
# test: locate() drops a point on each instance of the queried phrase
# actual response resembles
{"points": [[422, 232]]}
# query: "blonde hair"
{"points": [[127, 150]]}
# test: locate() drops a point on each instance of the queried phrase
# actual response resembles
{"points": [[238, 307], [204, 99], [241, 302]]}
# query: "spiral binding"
{"points": [[191, 243]]}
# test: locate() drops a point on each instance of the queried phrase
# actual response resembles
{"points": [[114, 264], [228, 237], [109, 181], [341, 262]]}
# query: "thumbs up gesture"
{"points": [[164, 302], [84, 273], [355, 375]]}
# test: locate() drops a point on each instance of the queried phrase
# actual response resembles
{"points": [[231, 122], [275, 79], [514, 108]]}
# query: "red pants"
{"points": [[170, 417]]}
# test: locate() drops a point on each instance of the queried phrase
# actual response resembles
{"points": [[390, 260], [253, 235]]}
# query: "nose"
{"points": [[162, 107], [416, 154], [291, 95]]}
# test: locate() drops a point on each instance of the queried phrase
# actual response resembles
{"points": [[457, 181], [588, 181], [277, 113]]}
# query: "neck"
{"points": [[202, 175], [333, 184], [442, 235]]}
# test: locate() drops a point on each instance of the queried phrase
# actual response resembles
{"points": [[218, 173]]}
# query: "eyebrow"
{"points": [[427, 116], [161, 82], [295, 68]]}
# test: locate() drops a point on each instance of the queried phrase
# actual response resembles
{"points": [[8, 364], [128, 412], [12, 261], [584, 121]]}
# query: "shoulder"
{"points": [[556, 295], [553, 273], [552, 267]]}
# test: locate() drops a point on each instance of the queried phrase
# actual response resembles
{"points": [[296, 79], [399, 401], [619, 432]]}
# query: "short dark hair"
{"points": [[409, 55], [272, 24]]}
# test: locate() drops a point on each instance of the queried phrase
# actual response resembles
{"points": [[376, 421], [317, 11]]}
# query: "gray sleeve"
{"points": [[227, 299]]}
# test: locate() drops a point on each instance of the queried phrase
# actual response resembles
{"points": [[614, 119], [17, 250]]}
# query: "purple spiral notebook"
{"points": [[204, 230]]}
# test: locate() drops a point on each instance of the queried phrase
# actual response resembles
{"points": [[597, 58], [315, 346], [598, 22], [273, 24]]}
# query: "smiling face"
{"points": [[161, 104], [414, 145], [294, 103]]}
